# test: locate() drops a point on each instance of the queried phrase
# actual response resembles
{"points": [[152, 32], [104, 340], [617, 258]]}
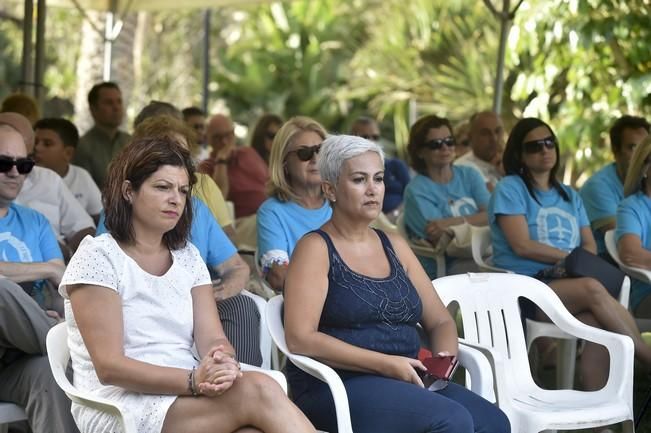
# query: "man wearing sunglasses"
{"points": [[240, 172], [44, 190], [486, 139], [30, 257], [604, 190]]}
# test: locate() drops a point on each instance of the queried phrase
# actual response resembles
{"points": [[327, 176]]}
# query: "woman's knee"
{"points": [[593, 289], [495, 422], [260, 387], [456, 419]]}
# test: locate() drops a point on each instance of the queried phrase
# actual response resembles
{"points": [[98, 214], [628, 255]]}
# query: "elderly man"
{"points": [[97, 147], [30, 256], [604, 190], [486, 138], [44, 190], [240, 172]]}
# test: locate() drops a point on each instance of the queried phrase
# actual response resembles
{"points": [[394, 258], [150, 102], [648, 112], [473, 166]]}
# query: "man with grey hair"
{"points": [[486, 137]]}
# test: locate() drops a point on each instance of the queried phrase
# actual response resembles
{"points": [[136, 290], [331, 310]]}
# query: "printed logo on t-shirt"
{"points": [[463, 206], [13, 249], [557, 228]]}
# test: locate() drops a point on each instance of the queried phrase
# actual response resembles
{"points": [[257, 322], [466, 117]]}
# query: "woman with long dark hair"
{"points": [[536, 221]]}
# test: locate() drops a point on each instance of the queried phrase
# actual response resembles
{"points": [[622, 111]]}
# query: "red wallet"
{"points": [[441, 367]]}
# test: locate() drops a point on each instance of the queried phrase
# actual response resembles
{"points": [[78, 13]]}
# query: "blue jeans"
{"points": [[383, 405]]}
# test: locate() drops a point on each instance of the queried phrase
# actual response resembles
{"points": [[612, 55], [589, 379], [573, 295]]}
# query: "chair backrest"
{"points": [[265, 337], [309, 365], [489, 305], [611, 247], [482, 248], [59, 354]]}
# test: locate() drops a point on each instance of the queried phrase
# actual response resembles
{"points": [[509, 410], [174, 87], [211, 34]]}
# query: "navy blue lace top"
{"points": [[378, 314]]}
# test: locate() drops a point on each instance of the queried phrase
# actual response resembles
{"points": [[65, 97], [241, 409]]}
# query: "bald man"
{"points": [[486, 139], [44, 190], [239, 172], [29, 256]]}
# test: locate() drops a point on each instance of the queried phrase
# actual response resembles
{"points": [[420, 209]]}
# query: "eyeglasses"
{"points": [[306, 153], [536, 146], [23, 165], [375, 137], [438, 143], [270, 135]]}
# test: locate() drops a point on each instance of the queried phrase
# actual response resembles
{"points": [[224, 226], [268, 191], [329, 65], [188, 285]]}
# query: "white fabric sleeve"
{"points": [[93, 263]]}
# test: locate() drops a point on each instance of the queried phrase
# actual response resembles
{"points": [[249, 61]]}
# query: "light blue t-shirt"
{"points": [[426, 200], [634, 217], [280, 225], [554, 222], [206, 234], [601, 195], [26, 236]]}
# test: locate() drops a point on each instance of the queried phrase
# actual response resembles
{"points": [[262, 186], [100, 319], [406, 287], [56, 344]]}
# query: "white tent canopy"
{"points": [[149, 5]]}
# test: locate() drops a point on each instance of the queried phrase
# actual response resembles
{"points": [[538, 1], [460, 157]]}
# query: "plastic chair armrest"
{"points": [[479, 369], [329, 376]]}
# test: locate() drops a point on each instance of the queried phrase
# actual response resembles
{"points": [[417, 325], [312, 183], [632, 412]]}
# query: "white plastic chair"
{"points": [[492, 324], [59, 355], [566, 355], [422, 247], [482, 250], [268, 352], [611, 246], [473, 361], [9, 413]]}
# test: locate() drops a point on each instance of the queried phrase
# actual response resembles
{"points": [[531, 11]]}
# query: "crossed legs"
{"points": [[254, 403]]}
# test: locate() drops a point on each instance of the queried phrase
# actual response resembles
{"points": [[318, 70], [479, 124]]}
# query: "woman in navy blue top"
{"points": [[353, 299]]}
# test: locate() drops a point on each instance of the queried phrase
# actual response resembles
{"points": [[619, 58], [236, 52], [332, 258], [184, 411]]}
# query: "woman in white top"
{"points": [[139, 297]]}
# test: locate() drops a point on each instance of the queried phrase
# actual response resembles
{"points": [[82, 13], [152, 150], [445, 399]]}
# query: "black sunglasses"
{"points": [[536, 146], [438, 143], [375, 137], [23, 165], [306, 153]]}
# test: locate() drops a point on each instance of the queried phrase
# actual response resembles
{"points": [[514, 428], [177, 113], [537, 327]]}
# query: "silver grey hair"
{"points": [[337, 149]]}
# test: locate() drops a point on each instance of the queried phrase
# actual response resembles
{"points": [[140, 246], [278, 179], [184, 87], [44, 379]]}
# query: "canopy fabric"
{"points": [[121, 6]]}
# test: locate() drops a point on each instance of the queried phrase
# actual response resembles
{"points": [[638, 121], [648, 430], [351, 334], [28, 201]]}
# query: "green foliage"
{"points": [[289, 58], [577, 63], [582, 64]]}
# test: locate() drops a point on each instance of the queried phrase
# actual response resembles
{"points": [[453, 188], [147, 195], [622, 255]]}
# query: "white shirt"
{"points": [[45, 191], [488, 171], [83, 187], [157, 326]]}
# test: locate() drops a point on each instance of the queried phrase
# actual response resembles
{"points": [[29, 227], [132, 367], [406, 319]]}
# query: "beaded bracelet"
{"points": [[191, 387]]}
